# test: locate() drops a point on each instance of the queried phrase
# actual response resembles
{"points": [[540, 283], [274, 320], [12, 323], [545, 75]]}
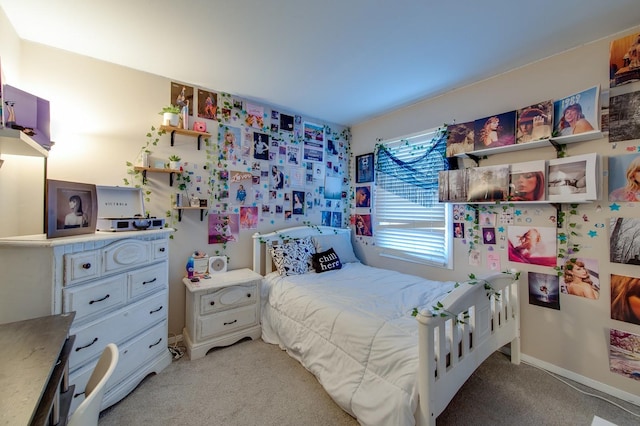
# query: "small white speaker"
{"points": [[217, 264]]}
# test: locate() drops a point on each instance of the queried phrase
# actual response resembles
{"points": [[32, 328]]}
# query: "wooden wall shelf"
{"points": [[144, 171], [186, 132]]}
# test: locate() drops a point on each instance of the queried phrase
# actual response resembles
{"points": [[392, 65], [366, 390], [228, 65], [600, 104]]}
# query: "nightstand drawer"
{"points": [[227, 321], [227, 298]]}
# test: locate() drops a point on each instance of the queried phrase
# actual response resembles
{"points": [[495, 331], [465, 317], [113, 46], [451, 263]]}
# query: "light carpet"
{"points": [[255, 383]]}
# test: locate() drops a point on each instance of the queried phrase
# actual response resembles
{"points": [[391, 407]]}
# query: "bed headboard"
{"points": [[262, 262]]}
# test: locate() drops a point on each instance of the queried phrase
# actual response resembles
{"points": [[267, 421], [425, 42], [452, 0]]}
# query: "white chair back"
{"points": [[88, 411]]}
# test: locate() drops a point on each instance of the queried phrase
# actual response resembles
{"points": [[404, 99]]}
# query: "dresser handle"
{"points": [[86, 266], [95, 339], [154, 311], [162, 249], [248, 294], [99, 300], [156, 343], [212, 303], [229, 323], [149, 282]]}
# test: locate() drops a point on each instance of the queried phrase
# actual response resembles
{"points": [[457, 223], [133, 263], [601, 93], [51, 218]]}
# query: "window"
{"points": [[410, 223]]}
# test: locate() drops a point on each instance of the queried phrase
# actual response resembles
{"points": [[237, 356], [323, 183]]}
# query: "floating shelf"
{"points": [[555, 141], [202, 210], [144, 171], [187, 132], [16, 142]]}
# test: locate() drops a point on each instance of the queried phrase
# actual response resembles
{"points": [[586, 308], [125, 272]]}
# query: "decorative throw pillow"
{"points": [[293, 257], [326, 261], [341, 243]]}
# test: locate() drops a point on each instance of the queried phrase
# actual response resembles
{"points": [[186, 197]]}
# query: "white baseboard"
{"points": [[175, 339], [610, 390]]}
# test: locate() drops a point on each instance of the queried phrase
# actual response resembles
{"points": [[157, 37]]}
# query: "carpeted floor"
{"points": [[254, 383]]}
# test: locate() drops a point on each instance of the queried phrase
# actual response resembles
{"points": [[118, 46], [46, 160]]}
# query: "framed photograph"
{"points": [[364, 168], [573, 178], [72, 208]]}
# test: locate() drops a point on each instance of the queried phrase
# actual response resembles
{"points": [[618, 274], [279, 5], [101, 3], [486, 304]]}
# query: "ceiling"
{"points": [[342, 61]]}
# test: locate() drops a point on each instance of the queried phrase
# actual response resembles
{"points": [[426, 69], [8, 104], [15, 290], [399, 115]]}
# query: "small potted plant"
{"points": [[170, 115], [174, 162]]}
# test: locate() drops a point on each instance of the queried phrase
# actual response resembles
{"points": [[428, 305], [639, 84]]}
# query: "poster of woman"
{"points": [[624, 177], [577, 113]]}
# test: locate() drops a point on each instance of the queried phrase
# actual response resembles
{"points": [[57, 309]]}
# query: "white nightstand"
{"points": [[221, 310]]}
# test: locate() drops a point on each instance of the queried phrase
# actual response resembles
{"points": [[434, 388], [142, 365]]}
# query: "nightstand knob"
{"points": [[212, 303], [248, 294], [86, 266]]}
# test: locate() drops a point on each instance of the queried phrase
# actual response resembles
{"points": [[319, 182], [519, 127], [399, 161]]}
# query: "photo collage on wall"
{"points": [[264, 165], [364, 182]]}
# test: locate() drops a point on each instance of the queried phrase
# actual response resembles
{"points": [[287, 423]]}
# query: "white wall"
{"points": [[575, 338], [100, 114]]}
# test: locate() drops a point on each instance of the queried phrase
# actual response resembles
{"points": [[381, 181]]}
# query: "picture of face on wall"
{"points": [[581, 278], [363, 196], [624, 178]]}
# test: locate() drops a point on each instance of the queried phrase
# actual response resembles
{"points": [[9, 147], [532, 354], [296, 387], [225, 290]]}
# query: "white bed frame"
{"points": [[487, 319]]}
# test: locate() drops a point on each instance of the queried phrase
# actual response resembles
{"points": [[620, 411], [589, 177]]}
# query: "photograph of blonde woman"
{"points": [[624, 178], [494, 131], [625, 298], [580, 278], [577, 113], [535, 122]]}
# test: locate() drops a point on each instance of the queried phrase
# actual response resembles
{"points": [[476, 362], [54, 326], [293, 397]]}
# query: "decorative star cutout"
{"points": [[614, 207], [518, 212], [501, 229], [593, 233], [562, 238]]}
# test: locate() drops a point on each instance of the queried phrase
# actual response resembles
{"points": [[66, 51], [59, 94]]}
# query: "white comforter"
{"points": [[353, 329]]}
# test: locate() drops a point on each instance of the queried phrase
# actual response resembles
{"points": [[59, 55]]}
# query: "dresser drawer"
{"points": [[227, 298], [147, 280], [116, 327], [132, 355], [125, 254], [80, 267], [226, 321], [95, 298], [160, 249]]}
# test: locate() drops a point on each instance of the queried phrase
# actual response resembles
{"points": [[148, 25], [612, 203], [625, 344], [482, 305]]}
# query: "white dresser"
{"points": [[117, 283], [221, 310]]}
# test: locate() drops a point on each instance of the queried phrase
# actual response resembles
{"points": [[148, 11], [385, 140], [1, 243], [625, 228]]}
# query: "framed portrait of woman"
{"points": [[72, 208]]}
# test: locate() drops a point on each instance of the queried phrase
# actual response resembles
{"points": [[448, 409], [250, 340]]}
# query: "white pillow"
{"points": [[341, 244]]}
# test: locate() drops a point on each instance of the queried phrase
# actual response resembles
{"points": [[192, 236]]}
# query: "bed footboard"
{"points": [[477, 318]]}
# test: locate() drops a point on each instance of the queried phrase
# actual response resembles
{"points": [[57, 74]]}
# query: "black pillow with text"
{"points": [[326, 261]]}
